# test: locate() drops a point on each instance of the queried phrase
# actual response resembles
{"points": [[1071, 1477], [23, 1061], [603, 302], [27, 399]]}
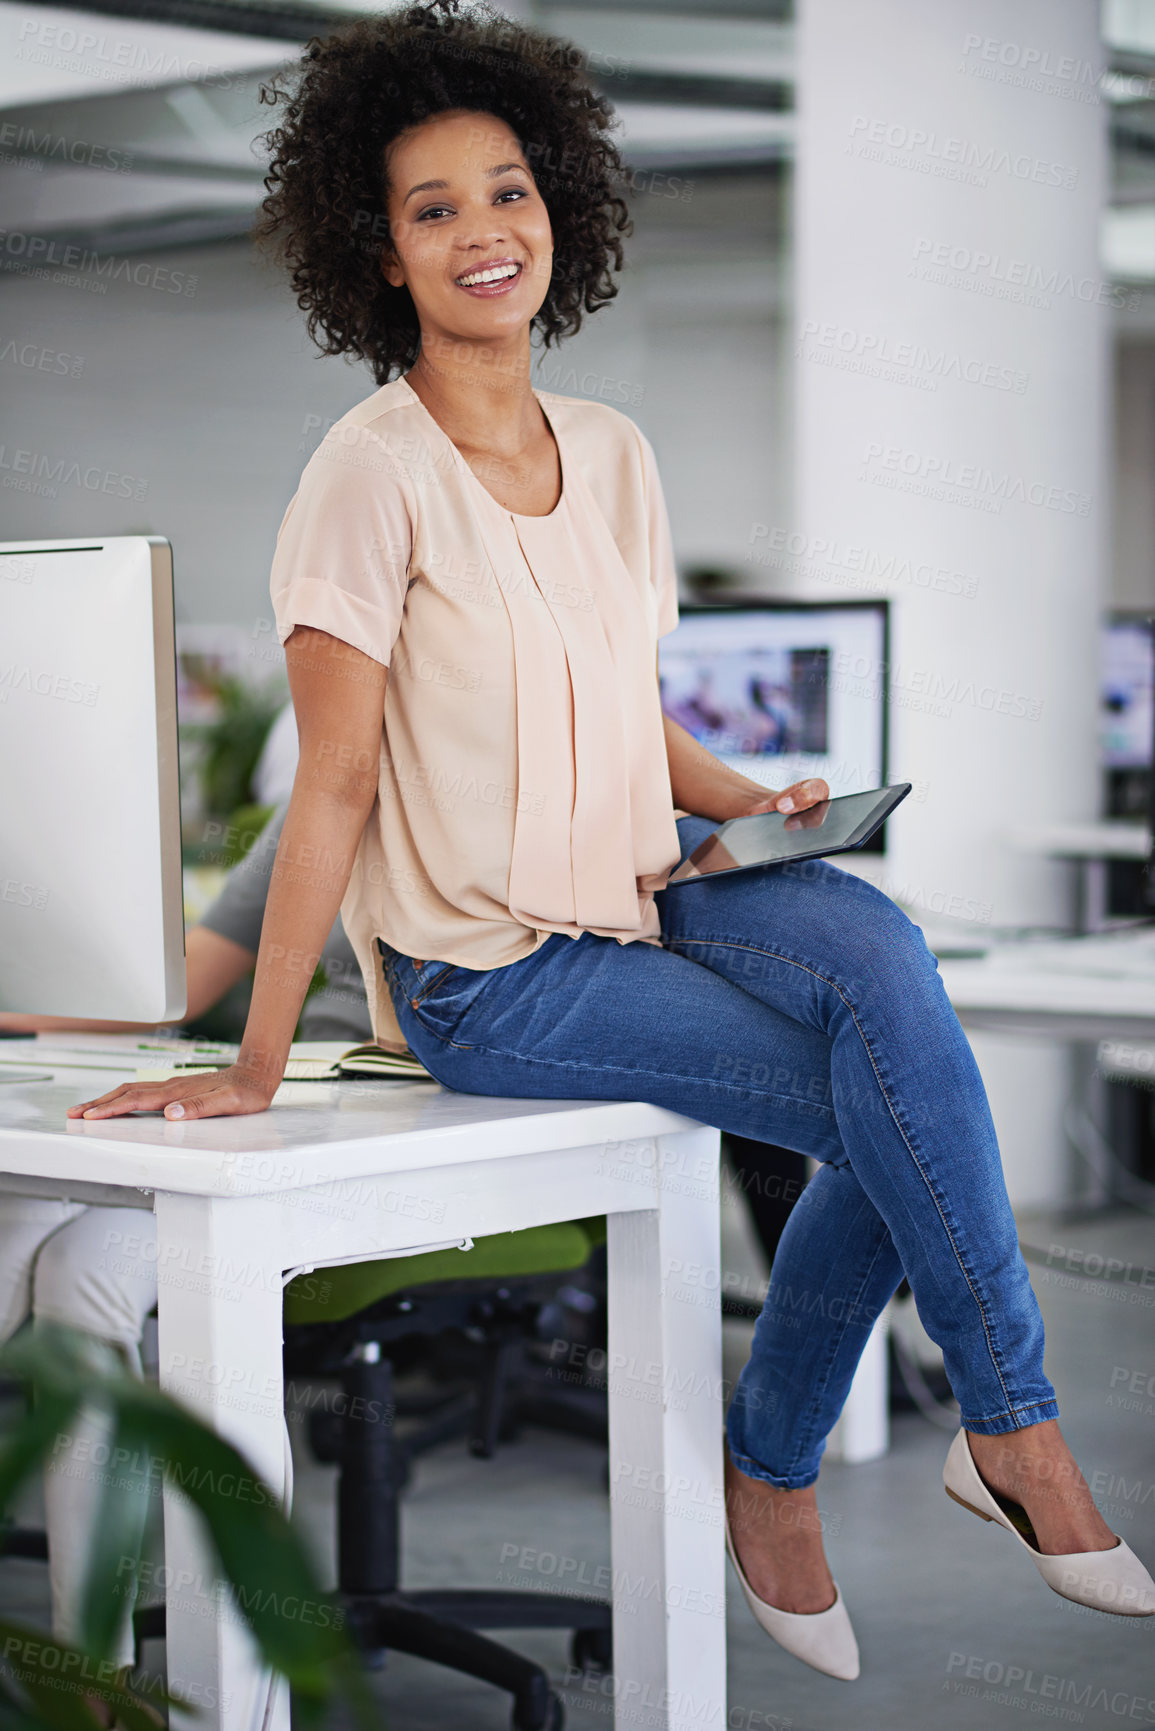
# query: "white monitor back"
{"points": [[91, 903]]}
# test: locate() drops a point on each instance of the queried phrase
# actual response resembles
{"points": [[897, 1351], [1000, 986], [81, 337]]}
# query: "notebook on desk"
{"points": [[324, 1060]]}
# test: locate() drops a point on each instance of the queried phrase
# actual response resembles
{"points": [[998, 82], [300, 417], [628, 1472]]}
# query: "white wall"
{"points": [[203, 397], [708, 348], [917, 159], [213, 400], [996, 697]]}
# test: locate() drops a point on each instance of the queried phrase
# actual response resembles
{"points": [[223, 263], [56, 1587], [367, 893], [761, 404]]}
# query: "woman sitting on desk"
{"points": [[470, 583]]}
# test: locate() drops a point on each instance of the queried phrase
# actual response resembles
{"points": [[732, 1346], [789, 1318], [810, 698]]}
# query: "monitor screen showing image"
{"points": [[782, 691], [1127, 693]]}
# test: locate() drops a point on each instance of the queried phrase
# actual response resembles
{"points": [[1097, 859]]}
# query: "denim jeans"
{"points": [[795, 1005]]}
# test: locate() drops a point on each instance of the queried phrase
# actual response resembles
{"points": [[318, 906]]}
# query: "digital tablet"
{"points": [[774, 838]]}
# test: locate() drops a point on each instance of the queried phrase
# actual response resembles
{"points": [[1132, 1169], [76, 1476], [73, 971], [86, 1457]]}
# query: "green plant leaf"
{"points": [[55, 1678], [33, 1440], [233, 742], [15, 1718], [114, 1545], [297, 1625]]}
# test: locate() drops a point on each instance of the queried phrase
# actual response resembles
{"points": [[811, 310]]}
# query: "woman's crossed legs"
{"points": [[797, 1006]]}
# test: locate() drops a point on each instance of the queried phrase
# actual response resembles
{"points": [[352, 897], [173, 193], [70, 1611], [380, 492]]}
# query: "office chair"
{"points": [[340, 1322], [344, 1321]]}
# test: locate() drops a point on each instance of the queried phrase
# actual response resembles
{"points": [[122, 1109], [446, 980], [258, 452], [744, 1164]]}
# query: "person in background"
{"points": [[63, 1262], [221, 949]]}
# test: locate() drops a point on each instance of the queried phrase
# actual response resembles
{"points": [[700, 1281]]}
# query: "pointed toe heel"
{"points": [[822, 1639], [1114, 1581]]}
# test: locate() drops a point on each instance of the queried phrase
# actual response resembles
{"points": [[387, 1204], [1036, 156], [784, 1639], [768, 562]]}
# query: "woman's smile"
{"points": [[486, 280]]}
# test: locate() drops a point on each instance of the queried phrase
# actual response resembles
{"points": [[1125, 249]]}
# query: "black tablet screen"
{"points": [[770, 838]]}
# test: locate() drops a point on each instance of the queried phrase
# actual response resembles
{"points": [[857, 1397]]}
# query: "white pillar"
{"points": [[952, 329], [951, 379]]}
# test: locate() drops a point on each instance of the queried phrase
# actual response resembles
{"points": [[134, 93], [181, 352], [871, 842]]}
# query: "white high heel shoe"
{"points": [[823, 1639], [1114, 1581]]}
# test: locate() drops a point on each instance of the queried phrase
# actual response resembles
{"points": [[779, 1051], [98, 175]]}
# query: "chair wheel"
{"points": [[549, 1717], [592, 1649]]}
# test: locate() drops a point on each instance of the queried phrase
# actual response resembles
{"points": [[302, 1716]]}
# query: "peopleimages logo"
{"points": [[1002, 278], [929, 152], [968, 483], [854, 566], [19, 250], [1027, 66], [901, 360], [1015, 1684], [926, 687]]}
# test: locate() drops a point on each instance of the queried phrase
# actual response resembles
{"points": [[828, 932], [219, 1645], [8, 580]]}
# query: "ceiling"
{"points": [[132, 125], [125, 127]]}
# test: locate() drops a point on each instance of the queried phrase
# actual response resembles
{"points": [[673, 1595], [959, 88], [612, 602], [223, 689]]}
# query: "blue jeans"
{"points": [[796, 1005]]}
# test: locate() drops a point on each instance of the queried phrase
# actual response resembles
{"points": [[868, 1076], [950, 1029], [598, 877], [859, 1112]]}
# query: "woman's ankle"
{"points": [[1034, 1467], [777, 1535], [1035, 1456]]}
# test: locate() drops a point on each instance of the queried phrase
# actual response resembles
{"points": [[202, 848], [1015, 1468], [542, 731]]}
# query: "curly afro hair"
{"points": [[355, 91]]}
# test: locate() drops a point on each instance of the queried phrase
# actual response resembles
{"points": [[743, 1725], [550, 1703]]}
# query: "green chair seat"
{"points": [[333, 1294]]}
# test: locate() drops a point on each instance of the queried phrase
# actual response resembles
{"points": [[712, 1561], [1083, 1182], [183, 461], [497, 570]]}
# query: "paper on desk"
{"points": [[313, 1069], [119, 1053], [319, 1051], [171, 1073], [52, 1058]]}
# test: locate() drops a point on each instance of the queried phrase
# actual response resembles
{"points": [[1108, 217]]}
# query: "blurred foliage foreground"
{"points": [[155, 1442]]}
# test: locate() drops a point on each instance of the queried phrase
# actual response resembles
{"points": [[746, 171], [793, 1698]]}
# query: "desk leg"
{"points": [[219, 1335], [863, 1429], [666, 1413]]}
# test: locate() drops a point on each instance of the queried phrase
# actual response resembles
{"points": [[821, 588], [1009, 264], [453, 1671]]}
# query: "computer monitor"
{"points": [[91, 906], [783, 690], [1127, 713]]}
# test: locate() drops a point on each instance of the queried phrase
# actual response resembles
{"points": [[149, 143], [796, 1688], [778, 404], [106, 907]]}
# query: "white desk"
{"points": [[1074, 988], [352, 1171], [1081, 991], [1110, 838], [1089, 847]]}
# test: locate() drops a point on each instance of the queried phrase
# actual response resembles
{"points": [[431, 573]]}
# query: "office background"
{"points": [[815, 273], [888, 320]]}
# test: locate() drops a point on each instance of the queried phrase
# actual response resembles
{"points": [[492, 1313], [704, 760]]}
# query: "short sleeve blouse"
{"points": [[523, 784]]}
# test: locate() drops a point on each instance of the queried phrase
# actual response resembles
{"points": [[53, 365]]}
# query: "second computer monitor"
{"points": [[783, 690]]}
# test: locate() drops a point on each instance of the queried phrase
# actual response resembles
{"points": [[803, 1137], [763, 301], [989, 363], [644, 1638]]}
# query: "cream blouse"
{"points": [[523, 785]]}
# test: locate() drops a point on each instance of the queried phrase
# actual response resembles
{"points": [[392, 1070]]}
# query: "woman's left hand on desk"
{"points": [[227, 1093]]}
